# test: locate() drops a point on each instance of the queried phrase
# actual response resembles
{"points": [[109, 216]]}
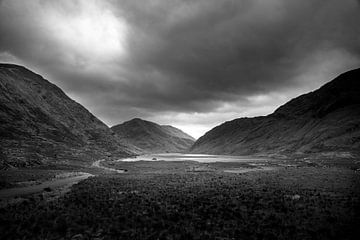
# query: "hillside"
{"points": [[325, 122], [152, 137], [40, 124]]}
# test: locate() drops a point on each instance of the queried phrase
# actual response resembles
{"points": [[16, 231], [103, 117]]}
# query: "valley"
{"points": [[64, 174], [179, 120]]}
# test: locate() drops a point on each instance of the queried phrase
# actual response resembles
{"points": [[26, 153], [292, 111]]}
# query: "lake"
{"points": [[203, 158]]}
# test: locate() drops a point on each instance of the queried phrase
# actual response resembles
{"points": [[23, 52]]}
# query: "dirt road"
{"points": [[52, 184], [98, 164], [19, 191]]}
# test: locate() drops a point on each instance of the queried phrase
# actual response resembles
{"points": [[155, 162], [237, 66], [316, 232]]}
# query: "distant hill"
{"points": [[325, 122], [40, 124], [152, 137]]}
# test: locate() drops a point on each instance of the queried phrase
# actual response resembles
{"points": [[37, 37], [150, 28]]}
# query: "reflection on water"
{"points": [[205, 158]]}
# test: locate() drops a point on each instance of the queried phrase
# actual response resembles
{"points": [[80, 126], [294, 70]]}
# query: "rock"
{"points": [[295, 197], [47, 189]]}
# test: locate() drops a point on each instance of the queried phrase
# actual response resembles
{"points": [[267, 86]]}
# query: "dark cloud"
{"points": [[182, 58], [241, 47]]}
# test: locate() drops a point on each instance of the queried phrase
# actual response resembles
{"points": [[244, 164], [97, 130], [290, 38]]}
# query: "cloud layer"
{"points": [[193, 64]]}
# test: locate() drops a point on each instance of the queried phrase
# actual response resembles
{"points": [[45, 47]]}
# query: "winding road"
{"points": [[98, 165], [20, 191]]}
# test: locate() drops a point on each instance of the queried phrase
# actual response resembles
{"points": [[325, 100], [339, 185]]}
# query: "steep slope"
{"points": [[152, 137], [40, 124], [176, 132], [323, 122]]}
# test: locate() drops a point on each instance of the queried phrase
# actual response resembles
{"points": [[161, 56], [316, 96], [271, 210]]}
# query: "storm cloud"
{"points": [[193, 64]]}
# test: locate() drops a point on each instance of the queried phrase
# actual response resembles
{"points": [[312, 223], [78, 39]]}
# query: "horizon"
{"points": [[191, 65]]}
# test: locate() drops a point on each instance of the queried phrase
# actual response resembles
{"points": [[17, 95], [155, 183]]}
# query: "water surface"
{"points": [[203, 158]]}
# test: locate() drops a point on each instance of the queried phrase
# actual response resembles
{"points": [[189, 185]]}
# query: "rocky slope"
{"points": [[40, 124], [325, 122], [152, 137]]}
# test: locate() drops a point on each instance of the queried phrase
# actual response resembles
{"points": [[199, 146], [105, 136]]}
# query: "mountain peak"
{"points": [[152, 137], [137, 120], [342, 92], [11, 65]]}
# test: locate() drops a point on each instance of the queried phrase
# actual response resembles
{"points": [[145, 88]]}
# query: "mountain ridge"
{"points": [[324, 122], [41, 124], [152, 137]]}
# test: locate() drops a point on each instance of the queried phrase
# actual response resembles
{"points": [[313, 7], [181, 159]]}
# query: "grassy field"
{"points": [[188, 200]]}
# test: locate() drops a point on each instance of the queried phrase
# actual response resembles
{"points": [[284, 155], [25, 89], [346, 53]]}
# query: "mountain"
{"points": [[152, 137], [40, 124], [325, 122]]}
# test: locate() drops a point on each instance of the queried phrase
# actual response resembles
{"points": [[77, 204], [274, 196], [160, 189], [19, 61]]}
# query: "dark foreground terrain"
{"points": [[188, 200]]}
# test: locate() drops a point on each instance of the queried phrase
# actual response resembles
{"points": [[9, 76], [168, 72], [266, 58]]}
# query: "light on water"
{"points": [[203, 158]]}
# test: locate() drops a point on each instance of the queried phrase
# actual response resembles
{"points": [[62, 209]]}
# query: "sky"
{"points": [[193, 64]]}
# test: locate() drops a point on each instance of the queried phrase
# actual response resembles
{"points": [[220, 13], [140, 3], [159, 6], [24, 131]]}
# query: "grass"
{"points": [[181, 204]]}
